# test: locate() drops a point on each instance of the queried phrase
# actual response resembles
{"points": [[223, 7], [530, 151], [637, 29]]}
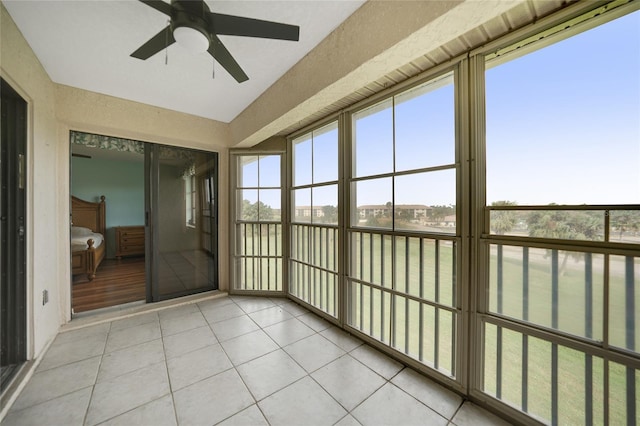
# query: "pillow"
{"points": [[79, 231]]}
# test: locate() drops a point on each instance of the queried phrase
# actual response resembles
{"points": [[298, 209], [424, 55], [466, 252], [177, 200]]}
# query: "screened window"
{"points": [[562, 195], [314, 229], [403, 248], [258, 224], [403, 171]]}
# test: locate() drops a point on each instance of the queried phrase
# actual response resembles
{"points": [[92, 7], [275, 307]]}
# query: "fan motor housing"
{"points": [[190, 14]]}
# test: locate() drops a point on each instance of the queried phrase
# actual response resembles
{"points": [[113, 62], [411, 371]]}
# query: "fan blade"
{"points": [[248, 27], [159, 5], [158, 42], [224, 58]]}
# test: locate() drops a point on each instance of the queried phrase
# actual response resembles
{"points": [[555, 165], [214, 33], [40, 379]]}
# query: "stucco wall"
{"points": [[45, 238]]}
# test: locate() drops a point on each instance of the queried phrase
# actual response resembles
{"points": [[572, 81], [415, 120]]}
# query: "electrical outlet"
{"points": [[45, 297]]}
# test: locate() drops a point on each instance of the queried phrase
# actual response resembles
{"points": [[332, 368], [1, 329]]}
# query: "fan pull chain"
{"points": [[213, 70], [166, 45]]}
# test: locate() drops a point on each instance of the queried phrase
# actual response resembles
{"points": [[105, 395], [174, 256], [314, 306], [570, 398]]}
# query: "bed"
{"points": [[88, 230]]}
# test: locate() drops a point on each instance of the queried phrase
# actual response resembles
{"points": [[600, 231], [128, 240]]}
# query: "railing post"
{"points": [[630, 340], [554, 346], [588, 321], [525, 338]]}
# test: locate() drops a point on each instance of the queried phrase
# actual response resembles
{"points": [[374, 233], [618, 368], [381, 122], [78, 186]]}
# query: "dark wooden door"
{"points": [[12, 232]]}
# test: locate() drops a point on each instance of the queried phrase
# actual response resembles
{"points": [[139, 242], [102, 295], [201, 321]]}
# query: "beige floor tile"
{"points": [[433, 395], [472, 415], [157, 413], [221, 313], [126, 392], [132, 336], [289, 331], [313, 352], [187, 341], [270, 316], [377, 361], [175, 325], [254, 304], [130, 359], [348, 420], [72, 351], [248, 346], [251, 416], [315, 322], [50, 384], [212, 400], [194, 366], [391, 406], [302, 403], [270, 373], [341, 338], [68, 410], [348, 381], [234, 327], [134, 321]]}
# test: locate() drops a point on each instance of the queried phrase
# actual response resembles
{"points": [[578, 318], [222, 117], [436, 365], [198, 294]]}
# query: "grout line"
{"points": [[95, 380], [457, 410]]}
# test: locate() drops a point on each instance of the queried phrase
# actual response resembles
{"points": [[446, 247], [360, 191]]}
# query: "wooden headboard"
{"points": [[89, 215]]}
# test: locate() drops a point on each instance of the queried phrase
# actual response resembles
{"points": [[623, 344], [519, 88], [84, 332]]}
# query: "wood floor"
{"points": [[116, 282]]}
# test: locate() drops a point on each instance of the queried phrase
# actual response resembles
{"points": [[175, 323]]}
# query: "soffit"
{"points": [[520, 16]]}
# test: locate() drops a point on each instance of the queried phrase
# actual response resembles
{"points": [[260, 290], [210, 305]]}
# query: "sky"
{"points": [[562, 126], [563, 123]]}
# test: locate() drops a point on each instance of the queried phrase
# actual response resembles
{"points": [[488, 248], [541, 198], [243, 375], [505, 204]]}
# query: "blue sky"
{"points": [[563, 123], [563, 126]]}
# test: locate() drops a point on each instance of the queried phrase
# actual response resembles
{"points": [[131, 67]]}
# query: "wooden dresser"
{"points": [[129, 241]]}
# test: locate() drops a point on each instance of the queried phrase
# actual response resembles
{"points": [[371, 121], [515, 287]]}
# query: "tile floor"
{"points": [[232, 361]]}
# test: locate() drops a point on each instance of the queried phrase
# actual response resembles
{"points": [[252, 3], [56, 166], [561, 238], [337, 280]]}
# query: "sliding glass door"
{"points": [[181, 222]]}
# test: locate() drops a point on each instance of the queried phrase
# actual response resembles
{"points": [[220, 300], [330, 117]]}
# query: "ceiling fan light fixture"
{"points": [[193, 40]]}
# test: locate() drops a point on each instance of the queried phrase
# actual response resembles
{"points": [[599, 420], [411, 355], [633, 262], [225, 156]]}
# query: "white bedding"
{"points": [[79, 243]]}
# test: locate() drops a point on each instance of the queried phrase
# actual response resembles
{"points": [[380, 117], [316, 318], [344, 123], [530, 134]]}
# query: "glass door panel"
{"points": [[183, 230]]}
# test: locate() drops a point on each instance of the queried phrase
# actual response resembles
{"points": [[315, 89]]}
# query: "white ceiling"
{"points": [[86, 44]]}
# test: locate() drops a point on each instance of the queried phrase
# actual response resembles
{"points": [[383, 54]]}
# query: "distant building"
{"points": [[308, 211], [413, 211], [449, 221]]}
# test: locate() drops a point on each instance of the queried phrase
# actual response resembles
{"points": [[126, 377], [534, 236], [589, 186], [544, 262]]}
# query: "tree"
{"points": [[566, 225], [388, 211], [438, 213], [503, 221], [256, 211], [404, 214], [625, 221], [330, 214]]}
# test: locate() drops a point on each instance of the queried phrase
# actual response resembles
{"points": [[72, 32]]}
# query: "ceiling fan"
{"points": [[195, 27]]}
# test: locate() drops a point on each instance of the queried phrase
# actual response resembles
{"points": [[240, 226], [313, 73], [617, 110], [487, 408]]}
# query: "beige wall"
{"points": [[46, 238], [53, 111]]}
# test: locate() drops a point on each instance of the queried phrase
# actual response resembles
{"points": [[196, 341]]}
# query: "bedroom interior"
{"points": [[115, 281]]}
